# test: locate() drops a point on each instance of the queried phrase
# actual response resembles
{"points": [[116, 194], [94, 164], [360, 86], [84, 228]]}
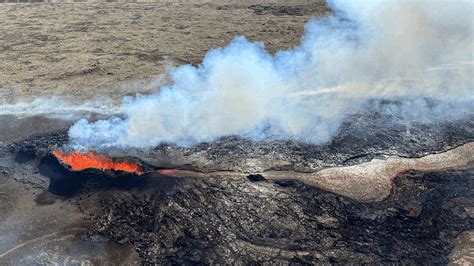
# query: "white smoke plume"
{"points": [[370, 49]]}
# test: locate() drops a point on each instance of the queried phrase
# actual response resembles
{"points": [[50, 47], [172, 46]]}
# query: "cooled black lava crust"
{"points": [[217, 220], [234, 219]]}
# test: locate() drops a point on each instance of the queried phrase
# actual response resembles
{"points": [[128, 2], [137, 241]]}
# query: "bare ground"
{"points": [[115, 49]]}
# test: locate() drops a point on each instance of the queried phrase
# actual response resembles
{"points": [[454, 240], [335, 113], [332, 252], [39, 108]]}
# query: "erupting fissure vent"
{"points": [[80, 161]]}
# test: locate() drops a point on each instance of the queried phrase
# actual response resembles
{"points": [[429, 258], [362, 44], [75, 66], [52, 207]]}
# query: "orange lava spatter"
{"points": [[79, 161]]}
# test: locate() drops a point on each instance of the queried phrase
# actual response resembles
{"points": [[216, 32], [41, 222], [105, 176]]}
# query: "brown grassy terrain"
{"points": [[114, 49]]}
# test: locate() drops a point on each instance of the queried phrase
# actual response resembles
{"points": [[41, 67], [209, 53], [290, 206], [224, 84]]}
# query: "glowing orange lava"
{"points": [[79, 161]]}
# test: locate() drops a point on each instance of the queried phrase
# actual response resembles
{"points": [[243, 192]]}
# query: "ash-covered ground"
{"points": [[382, 190]]}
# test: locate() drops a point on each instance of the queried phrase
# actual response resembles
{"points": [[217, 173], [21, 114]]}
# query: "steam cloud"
{"points": [[57, 107], [405, 50]]}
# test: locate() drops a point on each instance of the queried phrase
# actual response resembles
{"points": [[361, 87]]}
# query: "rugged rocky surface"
{"points": [[224, 209], [228, 218], [240, 216], [222, 220], [361, 138]]}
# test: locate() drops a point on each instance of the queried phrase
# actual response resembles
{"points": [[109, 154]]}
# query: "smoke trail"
{"points": [[400, 50], [58, 107]]}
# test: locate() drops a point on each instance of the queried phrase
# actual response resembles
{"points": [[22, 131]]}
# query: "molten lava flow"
{"points": [[80, 161]]}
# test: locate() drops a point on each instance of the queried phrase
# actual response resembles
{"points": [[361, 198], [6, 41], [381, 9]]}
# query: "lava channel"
{"points": [[80, 161]]}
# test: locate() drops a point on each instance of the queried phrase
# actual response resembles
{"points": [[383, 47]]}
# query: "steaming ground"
{"points": [[83, 66], [66, 108], [342, 62], [101, 52], [61, 62], [418, 54]]}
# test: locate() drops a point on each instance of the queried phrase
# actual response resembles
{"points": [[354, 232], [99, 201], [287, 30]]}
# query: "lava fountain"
{"points": [[80, 161]]}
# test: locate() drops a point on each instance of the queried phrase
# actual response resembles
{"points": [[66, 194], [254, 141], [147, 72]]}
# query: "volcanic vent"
{"points": [[69, 172], [80, 161], [234, 197]]}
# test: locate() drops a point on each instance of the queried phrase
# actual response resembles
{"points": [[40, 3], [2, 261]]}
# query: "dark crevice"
{"points": [[256, 177]]}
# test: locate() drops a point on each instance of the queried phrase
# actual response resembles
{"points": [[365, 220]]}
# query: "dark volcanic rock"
{"points": [[37, 145], [361, 138], [231, 219], [226, 220]]}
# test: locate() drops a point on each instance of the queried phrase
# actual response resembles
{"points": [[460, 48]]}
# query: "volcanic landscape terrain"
{"points": [[375, 193]]}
